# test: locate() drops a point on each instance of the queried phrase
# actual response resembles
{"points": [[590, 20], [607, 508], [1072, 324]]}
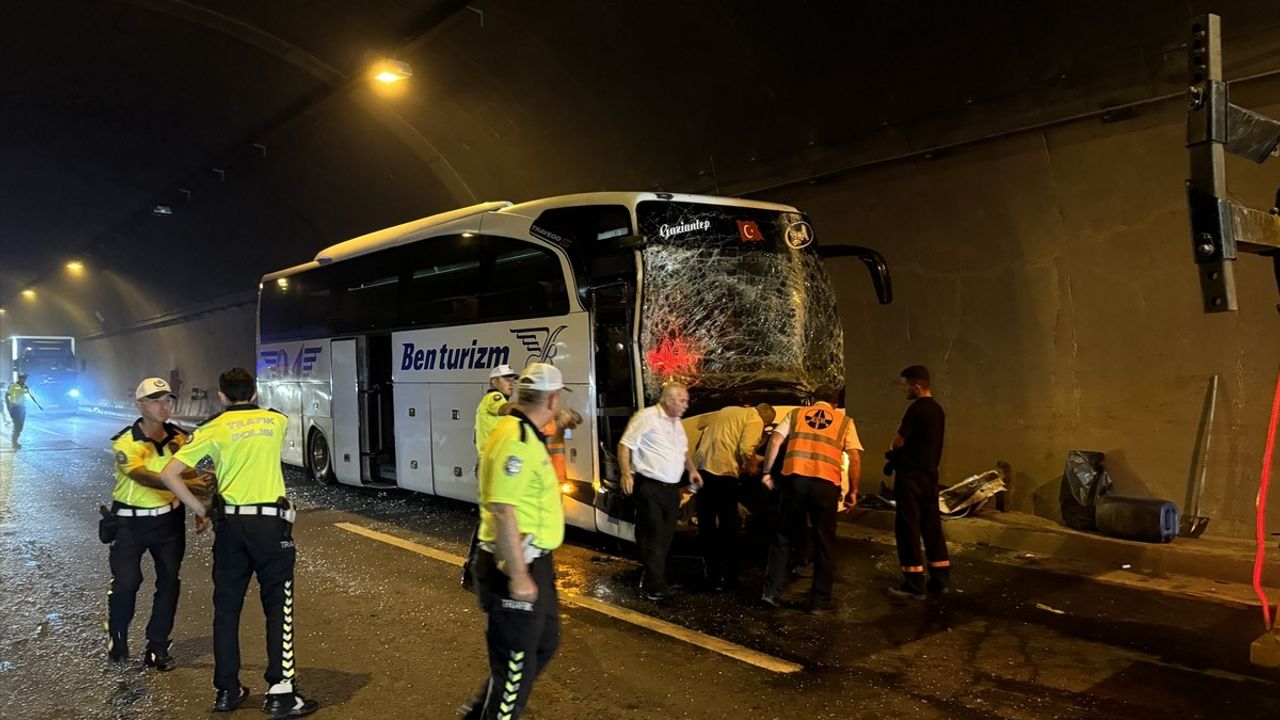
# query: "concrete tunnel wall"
{"points": [[1044, 277], [1046, 280]]}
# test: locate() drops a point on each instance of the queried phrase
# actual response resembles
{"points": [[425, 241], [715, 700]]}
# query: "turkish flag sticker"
{"points": [[749, 231]]}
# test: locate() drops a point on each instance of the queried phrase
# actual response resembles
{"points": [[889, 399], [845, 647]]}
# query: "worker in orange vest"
{"points": [[565, 420], [814, 484]]}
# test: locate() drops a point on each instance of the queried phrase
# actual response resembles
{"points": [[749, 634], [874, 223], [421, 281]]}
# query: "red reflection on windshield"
{"points": [[673, 358]]}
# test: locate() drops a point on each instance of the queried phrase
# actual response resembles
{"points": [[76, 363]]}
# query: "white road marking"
{"points": [[678, 632]]}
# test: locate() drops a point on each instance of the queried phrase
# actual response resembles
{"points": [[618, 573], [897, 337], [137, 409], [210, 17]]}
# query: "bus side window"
{"points": [[441, 281], [522, 280], [296, 307], [364, 293]]}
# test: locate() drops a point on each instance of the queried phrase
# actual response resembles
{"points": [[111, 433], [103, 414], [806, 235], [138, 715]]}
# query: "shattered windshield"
{"points": [[736, 302]]}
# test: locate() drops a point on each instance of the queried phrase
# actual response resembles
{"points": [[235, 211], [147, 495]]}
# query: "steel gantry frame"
{"points": [[1221, 229]]}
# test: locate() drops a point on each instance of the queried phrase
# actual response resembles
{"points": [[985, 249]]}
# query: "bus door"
{"points": [[347, 366], [613, 312], [378, 407], [362, 410]]}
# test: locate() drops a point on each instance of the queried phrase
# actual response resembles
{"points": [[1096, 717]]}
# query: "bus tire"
{"points": [[319, 458]]}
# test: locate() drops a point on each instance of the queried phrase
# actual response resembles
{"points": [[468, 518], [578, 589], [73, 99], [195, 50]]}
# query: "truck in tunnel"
{"points": [[50, 364]]}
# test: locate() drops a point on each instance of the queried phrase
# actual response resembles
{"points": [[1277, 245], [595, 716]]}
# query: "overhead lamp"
{"points": [[75, 267], [392, 71], [161, 210], [29, 294], [1, 311]]}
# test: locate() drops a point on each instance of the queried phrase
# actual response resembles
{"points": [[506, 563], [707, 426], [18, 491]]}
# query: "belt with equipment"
{"points": [[146, 512], [531, 551], [286, 514]]}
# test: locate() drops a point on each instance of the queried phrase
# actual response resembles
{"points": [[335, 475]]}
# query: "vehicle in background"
{"points": [[50, 365]]}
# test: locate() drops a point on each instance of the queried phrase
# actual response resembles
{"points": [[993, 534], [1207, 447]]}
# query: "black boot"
{"points": [[939, 580], [471, 709], [158, 657], [228, 700], [912, 587], [117, 647], [287, 705]]}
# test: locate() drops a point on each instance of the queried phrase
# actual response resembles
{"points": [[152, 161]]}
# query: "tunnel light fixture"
{"points": [[391, 71]]}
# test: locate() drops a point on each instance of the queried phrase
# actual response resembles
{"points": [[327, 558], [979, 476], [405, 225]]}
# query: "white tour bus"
{"points": [[380, 348]]}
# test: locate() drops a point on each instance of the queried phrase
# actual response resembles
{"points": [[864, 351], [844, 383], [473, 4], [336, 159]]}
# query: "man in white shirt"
{"points": [[652, 454]]}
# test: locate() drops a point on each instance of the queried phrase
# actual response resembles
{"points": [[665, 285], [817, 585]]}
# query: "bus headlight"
{"points": [[578, 490], [73, 393]]}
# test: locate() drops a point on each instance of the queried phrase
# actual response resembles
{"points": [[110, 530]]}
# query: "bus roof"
{"points": [[399, 234], [534, 208]]}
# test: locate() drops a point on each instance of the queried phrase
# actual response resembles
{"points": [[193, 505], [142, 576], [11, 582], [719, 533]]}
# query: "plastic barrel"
{"points": [[1145, 519]]}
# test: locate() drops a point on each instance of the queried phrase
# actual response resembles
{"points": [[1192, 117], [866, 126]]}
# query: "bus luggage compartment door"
{"points": [[453, 430], [413, 436], [287, 398]]}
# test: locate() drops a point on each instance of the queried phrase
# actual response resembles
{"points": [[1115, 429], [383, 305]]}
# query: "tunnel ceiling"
{"points": [[106, 108], [109, 108]]}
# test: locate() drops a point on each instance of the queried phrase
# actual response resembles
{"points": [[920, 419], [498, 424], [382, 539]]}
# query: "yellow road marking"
{"points": [[679, 632], [662, 627], [430, 552]]}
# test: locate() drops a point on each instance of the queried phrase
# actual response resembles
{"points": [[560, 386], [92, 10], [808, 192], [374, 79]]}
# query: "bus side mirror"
{"points": [[876, 265]]}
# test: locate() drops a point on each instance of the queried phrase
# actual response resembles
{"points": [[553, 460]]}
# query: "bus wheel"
{"points": [[319, 461]]}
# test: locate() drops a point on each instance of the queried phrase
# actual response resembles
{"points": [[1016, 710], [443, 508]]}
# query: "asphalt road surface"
{"points": [[384, 629]]}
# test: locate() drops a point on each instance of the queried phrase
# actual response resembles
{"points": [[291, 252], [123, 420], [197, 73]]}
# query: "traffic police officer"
{"points": [[147, 519], [501, 383], [814, 484], [254, 534], [521, 523], [493, 405], [15, 402]]}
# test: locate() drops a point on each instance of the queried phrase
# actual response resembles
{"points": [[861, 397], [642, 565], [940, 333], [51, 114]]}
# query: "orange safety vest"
{"points": [[815, 445], [555, 448]]}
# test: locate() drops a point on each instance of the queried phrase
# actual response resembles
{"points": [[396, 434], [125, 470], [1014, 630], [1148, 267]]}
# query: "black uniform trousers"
{"points": [[818, 501], [245, 545], [916, 498], [17, 413], [657, 506], [718, 525], [165, 537], [522, 637]]}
